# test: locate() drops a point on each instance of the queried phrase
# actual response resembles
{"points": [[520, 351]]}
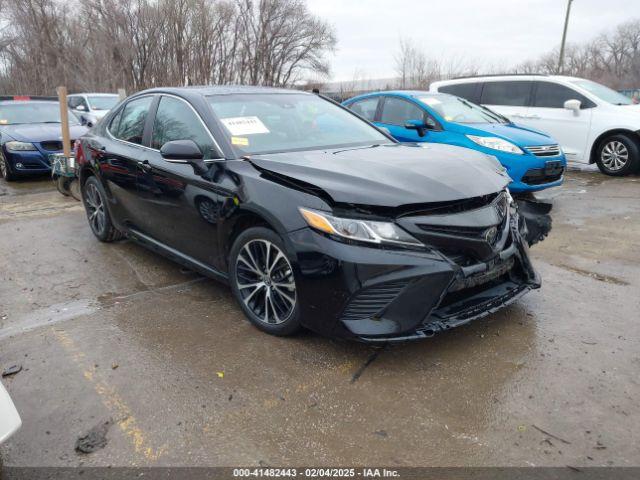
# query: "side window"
{"points": [[396, 111], [513, 93], [553, 95], [175, 120], [115, 123], [72, 102], [366, 108], [130, 122], [463, 90]]}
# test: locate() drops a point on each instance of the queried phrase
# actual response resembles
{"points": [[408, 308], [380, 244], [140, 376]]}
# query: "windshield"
{"points": [[270, 123], [102, 102], [603, 93], [458, 110], [32, 112]]}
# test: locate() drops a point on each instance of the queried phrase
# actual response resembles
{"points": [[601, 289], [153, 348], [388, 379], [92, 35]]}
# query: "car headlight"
{"points": [[356, 229], [496, 143], [19, 146]]}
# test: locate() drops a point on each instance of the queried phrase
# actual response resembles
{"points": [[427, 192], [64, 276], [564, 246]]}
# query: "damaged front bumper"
{"points": [[385, 295]]}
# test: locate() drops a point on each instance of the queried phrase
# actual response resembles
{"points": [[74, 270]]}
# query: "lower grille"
{"points": [[540, 176], [368, 302]]}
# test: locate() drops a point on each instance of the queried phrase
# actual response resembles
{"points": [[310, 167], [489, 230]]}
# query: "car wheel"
{"points": [[263, 281], [95, 204], [62, 184], [618, 155], [5, 170]]}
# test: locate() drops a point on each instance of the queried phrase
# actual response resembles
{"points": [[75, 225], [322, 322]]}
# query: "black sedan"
{"points": [[313, 216]]}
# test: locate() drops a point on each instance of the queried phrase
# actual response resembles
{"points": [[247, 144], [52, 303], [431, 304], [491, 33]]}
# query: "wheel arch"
{"points": [[616, 131], [243, 219]]}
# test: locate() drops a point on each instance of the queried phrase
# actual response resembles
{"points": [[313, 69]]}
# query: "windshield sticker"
{"points": [[3, 121], [244, 125], [241, 141]]}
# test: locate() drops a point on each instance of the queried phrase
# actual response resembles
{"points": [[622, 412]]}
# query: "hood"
{"points": [[40, 132], [518, 134], [391, 175]]}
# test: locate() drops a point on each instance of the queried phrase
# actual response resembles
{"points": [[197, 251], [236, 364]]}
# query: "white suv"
{"points": [[592, 122]]}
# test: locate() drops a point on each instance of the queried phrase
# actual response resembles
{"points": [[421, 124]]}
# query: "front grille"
{"points": [[54, 145], [368, 302], [544, 150]]}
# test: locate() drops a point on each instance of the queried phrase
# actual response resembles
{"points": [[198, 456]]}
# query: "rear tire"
{"points": [[5, 170], [618, 155], [94, 199], [263, 281]]}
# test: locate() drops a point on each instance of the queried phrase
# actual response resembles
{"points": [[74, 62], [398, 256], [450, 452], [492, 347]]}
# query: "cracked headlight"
{"points": [[19, 146], [495, 143], [356, 229]]}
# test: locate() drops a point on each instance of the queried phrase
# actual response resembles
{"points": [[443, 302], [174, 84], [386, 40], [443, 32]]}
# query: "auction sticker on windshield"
{"points": [[244, 125]]}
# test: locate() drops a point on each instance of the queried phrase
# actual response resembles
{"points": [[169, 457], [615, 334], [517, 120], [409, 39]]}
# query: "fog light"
{"points": [[19, 165]]}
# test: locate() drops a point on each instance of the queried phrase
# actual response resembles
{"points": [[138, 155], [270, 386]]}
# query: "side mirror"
{"points": [[184, 151], [418, 125], [81, 108], [573, 105]]}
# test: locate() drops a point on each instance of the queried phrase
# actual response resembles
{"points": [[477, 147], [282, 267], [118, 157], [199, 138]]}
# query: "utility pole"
{"points": [[564, 37]]}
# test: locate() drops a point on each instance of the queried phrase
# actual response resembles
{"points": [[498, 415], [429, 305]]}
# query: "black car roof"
{"points": [[221, 90]]}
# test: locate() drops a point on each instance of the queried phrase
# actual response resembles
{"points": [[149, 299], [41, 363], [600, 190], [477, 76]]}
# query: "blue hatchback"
{"points": [[533, 160]]}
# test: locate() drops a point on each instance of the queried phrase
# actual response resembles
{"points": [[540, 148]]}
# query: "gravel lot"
{"points": [[115, 333]]}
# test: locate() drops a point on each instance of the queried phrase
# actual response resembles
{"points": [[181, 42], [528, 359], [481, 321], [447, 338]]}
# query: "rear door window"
{"points": [[508, 93], [396, 111], [366, 108], [130, 126], [553, 95]]}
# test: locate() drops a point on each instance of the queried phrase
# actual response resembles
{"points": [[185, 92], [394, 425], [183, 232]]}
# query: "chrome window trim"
{"points": [[209, 160]]}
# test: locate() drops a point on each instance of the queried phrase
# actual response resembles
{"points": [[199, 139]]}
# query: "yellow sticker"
{"points": [[240, 141], [4, 121], [448, 118]]}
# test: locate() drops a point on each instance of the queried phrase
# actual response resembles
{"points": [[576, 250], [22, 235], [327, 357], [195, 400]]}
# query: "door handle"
{"points": [[534, 117], [144, 165]]}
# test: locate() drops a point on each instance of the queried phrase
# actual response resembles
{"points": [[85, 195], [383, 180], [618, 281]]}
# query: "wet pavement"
{"points": [[115, 338]]}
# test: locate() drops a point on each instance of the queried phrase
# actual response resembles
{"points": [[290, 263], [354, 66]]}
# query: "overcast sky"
{"points": [[501, 33]]}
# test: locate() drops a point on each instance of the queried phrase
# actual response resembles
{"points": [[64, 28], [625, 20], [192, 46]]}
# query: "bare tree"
{"points": [[135, 44]]}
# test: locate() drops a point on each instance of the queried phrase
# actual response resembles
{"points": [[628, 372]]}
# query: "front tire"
{"points": [[263, 281], [618, 155], [94, 199], [5, 170]]}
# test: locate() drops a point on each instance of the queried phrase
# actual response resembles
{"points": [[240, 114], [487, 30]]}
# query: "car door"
{"points": [[117, 154], [510, 98], [395, 113], [569, 128], [181, 207]]}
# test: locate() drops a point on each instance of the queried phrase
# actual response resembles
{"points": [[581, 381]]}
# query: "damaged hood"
{"points": [[391, 175]]}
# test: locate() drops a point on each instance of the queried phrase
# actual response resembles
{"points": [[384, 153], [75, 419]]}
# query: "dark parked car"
{"points": [[313, 216], [29, 132]]}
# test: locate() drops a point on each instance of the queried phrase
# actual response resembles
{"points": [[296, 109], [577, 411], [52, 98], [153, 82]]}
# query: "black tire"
{"points": [[275, 275], [5, 170], [618, 155], [62, 184], [94, 200]]}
